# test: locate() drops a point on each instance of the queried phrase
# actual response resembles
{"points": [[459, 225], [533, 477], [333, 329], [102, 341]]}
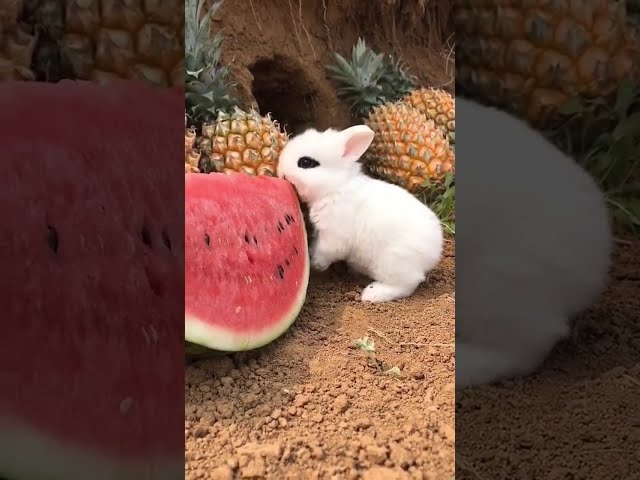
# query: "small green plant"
{"points": [[604, 137], [441, 198], [368, 346]]}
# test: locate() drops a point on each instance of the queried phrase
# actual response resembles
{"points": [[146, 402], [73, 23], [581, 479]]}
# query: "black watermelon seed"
{"points": [[166, 240], [146, 237], [287, 263], [52, 239], [255, 240], [246, 238], [280, 271], [207, 240], [287, 219], [281, 226], [295, 250]]}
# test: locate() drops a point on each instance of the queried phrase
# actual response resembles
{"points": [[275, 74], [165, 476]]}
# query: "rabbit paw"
{"points": [[380, 292], [480, 364], [320, 262]]}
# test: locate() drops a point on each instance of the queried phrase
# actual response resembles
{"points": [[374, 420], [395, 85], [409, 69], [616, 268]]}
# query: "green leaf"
{"points": [[604, 139], [619, 167], [627, 211], [366, 344], [343, 65], [629, 127], [627, 93], [571, 107], [448, 178], [449, 193]]}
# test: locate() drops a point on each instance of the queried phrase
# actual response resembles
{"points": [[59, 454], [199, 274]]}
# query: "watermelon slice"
{"points": [[91, 248], [246, 260]]}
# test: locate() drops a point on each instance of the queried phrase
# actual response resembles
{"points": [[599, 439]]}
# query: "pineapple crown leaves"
{"points": [[204, 102], [397, 78], [206, 81], [361, 78], [370, 78], [201, 50]]}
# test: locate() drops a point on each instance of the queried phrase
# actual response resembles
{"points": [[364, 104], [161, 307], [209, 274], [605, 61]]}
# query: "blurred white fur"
{"points": [[379, 229], [533, 245]]}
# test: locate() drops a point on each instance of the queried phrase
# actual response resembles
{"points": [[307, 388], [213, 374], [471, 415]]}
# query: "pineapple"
{"points": [[414, 127], [532, 56], [16, 44], [438, 105], [370, 79], [407, 149], [241, 142], [102, 39], [221, 137], [191, 155]]}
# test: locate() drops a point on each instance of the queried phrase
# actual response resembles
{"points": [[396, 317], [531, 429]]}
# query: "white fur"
{"points": [[380, 229], [533, 247]]}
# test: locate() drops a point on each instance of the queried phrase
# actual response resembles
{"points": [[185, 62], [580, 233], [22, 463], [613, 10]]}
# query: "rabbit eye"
{"points": [[307, 162]]}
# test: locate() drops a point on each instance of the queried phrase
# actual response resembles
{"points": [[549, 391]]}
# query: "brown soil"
{"points": [[575, 419], [277, 50], [313, 405]]}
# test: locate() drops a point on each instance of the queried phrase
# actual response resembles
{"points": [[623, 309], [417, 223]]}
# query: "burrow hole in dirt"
{"points": [[281, 87]]}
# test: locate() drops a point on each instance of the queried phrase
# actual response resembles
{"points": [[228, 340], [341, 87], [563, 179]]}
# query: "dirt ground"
{"points": [[577, 418], [313, 405]]}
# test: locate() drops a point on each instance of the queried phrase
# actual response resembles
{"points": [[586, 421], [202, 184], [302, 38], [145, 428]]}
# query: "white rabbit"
{"points": [[379, 229], [533, 246]]}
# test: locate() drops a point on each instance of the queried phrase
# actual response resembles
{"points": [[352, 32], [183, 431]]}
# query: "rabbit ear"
{"points": [[356, 141]]}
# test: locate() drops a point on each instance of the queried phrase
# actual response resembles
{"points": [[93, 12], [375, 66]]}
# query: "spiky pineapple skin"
{"points": [[191, 155], [16, 44], [531, 56], [407, 149], [102, 39], [438, 105], [241, 141]]}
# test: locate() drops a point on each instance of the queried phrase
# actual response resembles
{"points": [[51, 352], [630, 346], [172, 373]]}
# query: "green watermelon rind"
{"points": [[25, 452], [222, 340], [193, 350]]}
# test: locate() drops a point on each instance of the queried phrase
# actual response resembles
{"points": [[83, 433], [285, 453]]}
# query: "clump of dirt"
{"points": [[313, 405], [570, 420], [277, 50]]}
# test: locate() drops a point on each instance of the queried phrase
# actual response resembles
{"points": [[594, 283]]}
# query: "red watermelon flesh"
{"points": [[91, 245], [246, 260]]}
